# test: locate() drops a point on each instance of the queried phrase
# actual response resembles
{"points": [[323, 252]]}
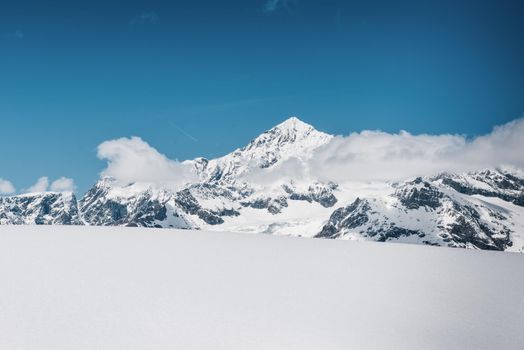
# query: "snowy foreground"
{"points": [[128, 288]]}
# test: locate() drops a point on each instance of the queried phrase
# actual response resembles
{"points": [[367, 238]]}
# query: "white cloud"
{"points": [[6, 187], [63, 184], [41, 185], [134, 160], [376, 155]]}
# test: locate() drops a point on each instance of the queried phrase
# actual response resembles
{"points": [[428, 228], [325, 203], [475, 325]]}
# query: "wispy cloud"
{"points": [[183, 132], [17, 35], [149, 17], [273, 5]]}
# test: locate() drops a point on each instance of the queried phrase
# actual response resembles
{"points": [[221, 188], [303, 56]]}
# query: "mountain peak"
{"points": [[292, 133], [291, 138], [293, 123]]}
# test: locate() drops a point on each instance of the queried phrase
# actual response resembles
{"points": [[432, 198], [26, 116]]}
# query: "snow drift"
{"points": [[67, 287]]}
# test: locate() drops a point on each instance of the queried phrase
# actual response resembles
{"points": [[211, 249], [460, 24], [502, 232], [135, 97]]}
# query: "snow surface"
{"points": [[65, 287]]}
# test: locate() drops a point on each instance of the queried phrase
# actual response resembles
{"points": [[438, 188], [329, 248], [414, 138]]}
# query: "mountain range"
{"points": [[478, 210]]}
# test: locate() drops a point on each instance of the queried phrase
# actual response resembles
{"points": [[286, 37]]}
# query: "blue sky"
{"points": [[200, 78]]}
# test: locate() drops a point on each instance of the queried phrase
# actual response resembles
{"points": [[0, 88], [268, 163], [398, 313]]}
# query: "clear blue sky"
{"points": [[203, 77]]}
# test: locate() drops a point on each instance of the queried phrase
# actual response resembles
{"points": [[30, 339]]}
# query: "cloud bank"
{"points": [[361, 156], [6, 187], [134, 160], [381, 156]]}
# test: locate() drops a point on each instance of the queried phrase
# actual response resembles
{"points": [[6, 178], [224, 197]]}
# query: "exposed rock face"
{"points": [[423, 211], [318, 192], [350, 217], [489, 183], [419, 193], [273, 205], [109, 205], [49, 208], [188, 203], [360, 215]]}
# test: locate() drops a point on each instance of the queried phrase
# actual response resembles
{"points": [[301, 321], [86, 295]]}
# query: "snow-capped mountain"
{"points": [[480, 210], [222, 191], [291, 138], [432, 211]]}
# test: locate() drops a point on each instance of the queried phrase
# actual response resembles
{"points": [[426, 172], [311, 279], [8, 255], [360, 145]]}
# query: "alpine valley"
{"points": [[477, 210]]}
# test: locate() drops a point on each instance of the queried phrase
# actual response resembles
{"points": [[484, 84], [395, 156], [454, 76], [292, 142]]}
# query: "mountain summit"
{"points": [[291, 138], [293, 127], [293, 132]]}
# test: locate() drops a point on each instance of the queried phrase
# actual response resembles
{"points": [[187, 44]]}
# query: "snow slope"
{"points": [[80, 287]]}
